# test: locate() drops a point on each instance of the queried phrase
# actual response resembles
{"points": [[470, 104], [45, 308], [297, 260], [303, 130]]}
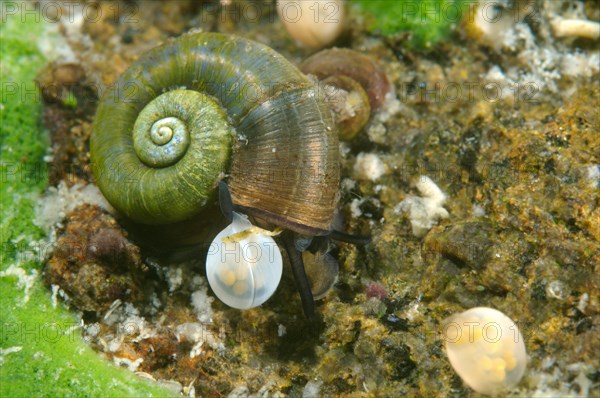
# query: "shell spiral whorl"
{"points": [[161, 141], [167, 131]]}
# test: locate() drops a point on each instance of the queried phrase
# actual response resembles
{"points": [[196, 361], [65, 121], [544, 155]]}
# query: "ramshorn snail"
{"points": [[208, 105]]}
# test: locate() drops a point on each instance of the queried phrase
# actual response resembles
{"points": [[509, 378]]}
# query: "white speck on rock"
{"points": [[115, 344], [58, 201], [196, 349], [580, 64], [583, 302], [478, 211], [424, 212], [195, 332], [369, 166], [593, 174], [377, 132], [155, 302], [281, 330], [347, 184], [355, 208], [239, 392], [344, 149], [556, 290], [376, 129], [55, 289], [91, 331], [202, 305], [312, 389], [128, 363], [174, 276], [413, 309]]}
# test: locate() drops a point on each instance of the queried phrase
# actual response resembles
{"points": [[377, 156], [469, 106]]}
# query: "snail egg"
{"points": [[245, 270], [315, 24], [486, 349]]}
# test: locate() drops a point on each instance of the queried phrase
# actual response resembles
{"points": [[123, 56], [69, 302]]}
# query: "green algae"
{"points": [[426, 22], [41, 349]]}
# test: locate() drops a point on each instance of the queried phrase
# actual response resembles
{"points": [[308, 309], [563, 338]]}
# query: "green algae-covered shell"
{"points": [[243, 110]]}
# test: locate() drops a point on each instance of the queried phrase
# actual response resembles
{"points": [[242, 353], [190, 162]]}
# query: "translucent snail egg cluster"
{"points": [[243, 268], [486, 349]]}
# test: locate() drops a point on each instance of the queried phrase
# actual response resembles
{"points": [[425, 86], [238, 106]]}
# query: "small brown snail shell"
{"points": [[349, 103], [356, 65], [361, 81]]}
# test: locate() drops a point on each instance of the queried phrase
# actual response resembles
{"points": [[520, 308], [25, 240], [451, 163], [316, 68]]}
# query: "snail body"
{"points": [[207, 104]]}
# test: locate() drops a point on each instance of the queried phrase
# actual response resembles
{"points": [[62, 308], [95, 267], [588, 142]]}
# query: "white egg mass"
{"points": [[243, 269], [486, 349]]}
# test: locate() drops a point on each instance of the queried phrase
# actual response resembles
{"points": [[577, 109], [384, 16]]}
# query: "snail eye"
{"points": [[243, 267]]}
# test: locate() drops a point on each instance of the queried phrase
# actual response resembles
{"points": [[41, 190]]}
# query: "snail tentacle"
{"points": [[345, 237], [302, 283], [225, 202]]}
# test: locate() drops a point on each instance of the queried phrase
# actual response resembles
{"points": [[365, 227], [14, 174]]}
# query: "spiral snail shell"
{"points": [[208, 104]]}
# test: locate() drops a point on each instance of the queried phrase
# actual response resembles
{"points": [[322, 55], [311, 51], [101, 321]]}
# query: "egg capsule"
{"points": [[243, 265], [486, 349], [314, 24]]}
